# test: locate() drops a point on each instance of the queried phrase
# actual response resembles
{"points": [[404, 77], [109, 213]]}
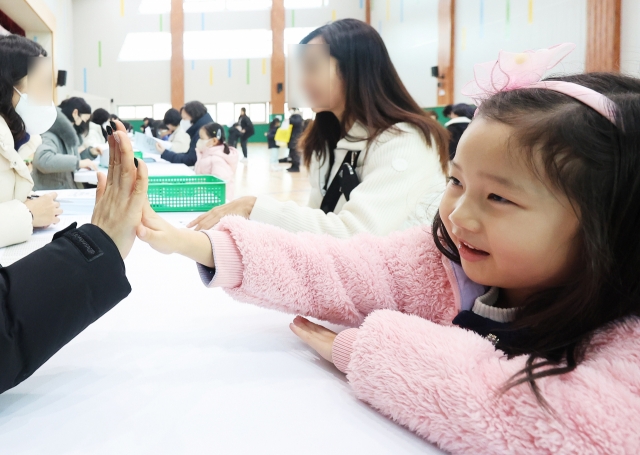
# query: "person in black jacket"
{"points": [[194, 116], [294, 155], [247, 130], [80, 274]]}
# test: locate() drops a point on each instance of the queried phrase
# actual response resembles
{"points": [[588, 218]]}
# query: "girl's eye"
{"points": [[454, 181], [500, 199]]}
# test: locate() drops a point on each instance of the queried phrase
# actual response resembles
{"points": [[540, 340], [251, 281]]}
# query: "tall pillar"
{"points": [[446, 29], [277, 57], [603, 35], [367, 11], [177, 54]]}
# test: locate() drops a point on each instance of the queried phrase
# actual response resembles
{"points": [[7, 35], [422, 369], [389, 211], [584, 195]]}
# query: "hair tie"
{"points": [[514, 71], [219, 134]]}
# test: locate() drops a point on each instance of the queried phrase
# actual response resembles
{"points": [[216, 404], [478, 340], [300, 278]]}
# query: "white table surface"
{"points": [[176, 368]]}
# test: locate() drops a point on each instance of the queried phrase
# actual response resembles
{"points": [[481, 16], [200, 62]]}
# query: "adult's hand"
{"points": [[122, 194], [241, 206], [159, 148], [88, 164], [45, 210]]}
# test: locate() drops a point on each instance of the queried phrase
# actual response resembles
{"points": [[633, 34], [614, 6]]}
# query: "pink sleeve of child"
{"points": [[338, 280], [443, 383]]}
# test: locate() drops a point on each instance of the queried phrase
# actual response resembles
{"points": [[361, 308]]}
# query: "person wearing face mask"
{"points": [[178, 137], [194, 116], [215, 157], [22, 120], [61, 152], [97, 135]]}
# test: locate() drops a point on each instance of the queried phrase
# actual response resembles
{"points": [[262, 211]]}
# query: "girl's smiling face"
{"points": [[512, 229]]}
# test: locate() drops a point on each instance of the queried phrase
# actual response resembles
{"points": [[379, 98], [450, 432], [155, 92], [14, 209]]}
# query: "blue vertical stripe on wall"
{"points": [[84, 77], [193, 64], [481, 18], [380, 27], [202, 20], [361, 4], [35, 38], [229, 68]]}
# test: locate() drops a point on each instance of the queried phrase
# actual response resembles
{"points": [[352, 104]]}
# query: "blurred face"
{"points": [[512, 230], [78, 119], [171, 128], [38, 83], [185, 116], [322, 84]]}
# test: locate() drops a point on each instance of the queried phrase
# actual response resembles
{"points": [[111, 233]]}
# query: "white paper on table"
{"points": [[166, 144], [145, 144]]}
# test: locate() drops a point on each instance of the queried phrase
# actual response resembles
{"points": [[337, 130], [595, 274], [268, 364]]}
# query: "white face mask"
{"points": [[203, 144], [185, 124], [37, 119]]}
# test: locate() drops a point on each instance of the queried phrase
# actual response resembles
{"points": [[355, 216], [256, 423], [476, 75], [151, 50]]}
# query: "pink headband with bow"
{"points": [[525, 70]]}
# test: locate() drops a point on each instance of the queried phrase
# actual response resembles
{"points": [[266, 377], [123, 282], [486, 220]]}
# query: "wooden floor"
{"points": [[256, 179]]}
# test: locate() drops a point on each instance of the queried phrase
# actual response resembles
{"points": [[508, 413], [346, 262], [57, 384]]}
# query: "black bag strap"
{"points": [[334, 191]]}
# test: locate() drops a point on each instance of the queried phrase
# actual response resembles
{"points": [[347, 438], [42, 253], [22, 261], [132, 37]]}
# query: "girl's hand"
{"points": [[88, 164], [154, 230], [316, 336], [167, 239], [241, 206], [45, 210]]}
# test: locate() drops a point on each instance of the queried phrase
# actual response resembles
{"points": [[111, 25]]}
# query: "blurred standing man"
{"points": [[246, 128], [296, 120]]}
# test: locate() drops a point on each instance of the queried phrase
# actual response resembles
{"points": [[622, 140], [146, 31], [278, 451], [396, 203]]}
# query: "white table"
{"points": [[180, 369]]}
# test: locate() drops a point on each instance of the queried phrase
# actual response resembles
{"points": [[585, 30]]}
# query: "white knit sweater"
{"points": [[401, 183]]}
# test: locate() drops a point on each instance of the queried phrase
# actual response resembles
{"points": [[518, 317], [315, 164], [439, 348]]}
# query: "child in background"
{"points": [[512, 325], [215, 157], [273, 147]]}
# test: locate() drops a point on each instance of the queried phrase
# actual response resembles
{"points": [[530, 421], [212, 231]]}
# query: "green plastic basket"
{"points": [[138, 155], [193, 193]]}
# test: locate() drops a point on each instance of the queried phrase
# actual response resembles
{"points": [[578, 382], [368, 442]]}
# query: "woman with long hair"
{"points": [[373, 154], [24, 78]]}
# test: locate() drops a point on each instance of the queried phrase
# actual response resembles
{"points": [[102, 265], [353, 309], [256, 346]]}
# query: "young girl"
{"points": [[511, 326], [215, 157], [271, 141]]}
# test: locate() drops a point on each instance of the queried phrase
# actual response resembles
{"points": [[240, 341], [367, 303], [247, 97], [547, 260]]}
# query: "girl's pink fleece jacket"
{"points": [[410, 363]]}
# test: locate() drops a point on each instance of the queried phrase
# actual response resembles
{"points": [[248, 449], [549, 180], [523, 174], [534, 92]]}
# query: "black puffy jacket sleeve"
{"points": [[50, 296]]}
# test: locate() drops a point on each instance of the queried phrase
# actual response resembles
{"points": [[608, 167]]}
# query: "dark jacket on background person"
{"points": [[296, 120], [190, 157], [53, 294], [247, 125], [57, 158], [234, 135], [456, 127], [271, 138]]}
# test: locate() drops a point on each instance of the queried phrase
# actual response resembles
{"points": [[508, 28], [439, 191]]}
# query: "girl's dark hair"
{"points": [[100, 116], [16, 54], [172, 117], [215, 130], [274, 122], [71, 104], [375, 95], [195, 109], [596, 164]]}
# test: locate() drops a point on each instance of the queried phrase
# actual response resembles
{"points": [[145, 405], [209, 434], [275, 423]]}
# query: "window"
{"points": [[159, 109], [146, 46], [226, 114], [211, 6], [248, 43], [258, 112], [135, 112], [127, 112], [211, 109]]}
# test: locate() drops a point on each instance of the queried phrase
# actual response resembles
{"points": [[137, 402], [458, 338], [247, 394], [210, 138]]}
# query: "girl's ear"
{"points": [[216, 141]]}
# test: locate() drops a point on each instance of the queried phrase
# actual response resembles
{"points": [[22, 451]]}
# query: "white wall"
{"points": [[410, 31], [630, 38], [480, 35], [145, 83]]}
